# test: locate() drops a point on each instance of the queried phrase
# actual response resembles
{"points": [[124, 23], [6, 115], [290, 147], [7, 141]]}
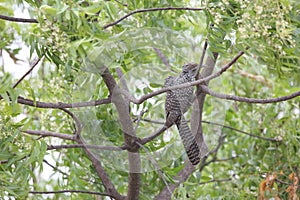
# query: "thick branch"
{"points": [[148, 10], [14, 19], [130, 138], [249, 100]]}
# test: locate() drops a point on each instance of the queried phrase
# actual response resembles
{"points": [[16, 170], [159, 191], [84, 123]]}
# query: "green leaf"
{"points": [[48, 10]]}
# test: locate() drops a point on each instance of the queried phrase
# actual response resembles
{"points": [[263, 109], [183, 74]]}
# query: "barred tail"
{"points": [[189, 141]]}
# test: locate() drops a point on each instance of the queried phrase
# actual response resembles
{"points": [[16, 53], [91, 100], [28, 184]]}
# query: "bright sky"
{"points": [[21, 67], [17, 70]]}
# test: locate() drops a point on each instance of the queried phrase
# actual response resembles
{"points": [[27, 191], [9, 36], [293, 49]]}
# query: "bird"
{"points": [[177, 103]]}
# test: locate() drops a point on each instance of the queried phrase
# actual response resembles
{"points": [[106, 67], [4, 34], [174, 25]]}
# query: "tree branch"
{"points": [[248, 100], [180, 178], [71, 191], [52, 134], [155, 164], [145, 140], [202, 57], [39, 104], [123, 4], [110, 188], [216, 180], [14, 19], [188, 169], [153, 121], [78, 125], [33, 65], [139, 120], [246, 133], [55, 168], [189, 84], [89, 146], [151, 137], [122, 106], [162, 57], [96, 163], [149, 10], [212, 152]]}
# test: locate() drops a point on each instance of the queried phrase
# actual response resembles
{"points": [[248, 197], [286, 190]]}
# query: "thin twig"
{"points": [[153, 121], [52, 134], [282, 182], [162, 57], [55, 168], [123, 4], [155, 164], [249, 100], [240, 131], [15, 19], [139, 119], [28, 72], [151, 137], [225, 159], [213, 152], [223, 126], [89, 146], [71, 191], [149, 10], [202, 57], [39, 104], [78, 125], [216, 180]]}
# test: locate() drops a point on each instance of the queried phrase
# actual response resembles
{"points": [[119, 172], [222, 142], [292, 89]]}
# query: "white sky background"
{"points": [[17, 70]]}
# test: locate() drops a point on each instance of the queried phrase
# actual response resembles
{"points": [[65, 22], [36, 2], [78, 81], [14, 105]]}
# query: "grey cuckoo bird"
{"points": [[177, 103]]}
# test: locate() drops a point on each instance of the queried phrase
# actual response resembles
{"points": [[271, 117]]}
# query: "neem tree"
{"points": [[88, 122]]}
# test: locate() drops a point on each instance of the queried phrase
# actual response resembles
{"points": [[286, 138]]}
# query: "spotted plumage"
{"points": [[177, 103]]}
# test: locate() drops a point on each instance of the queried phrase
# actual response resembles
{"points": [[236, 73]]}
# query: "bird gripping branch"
{"points": [[177, 103]]}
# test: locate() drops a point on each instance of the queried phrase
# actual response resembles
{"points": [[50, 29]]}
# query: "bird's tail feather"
{"points": [[189, 141]]}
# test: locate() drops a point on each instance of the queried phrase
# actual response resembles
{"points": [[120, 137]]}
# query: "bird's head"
{"points": [[190, 68]]}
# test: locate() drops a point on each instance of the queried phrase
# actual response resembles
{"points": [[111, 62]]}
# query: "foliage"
{"points": [[75, 46]]}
